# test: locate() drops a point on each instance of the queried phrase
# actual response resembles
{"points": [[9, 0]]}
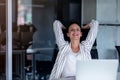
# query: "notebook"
{"points": [[97, 69]]}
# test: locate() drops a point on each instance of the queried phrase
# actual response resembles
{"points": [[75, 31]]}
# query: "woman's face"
{"points": [[74, 32]]}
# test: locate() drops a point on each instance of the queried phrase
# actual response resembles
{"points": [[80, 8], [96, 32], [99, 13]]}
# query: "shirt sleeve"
{"points": [[57, 27], [92, 34]]}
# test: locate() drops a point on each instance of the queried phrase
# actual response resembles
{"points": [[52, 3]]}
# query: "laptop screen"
{"points": [[97, 70]]}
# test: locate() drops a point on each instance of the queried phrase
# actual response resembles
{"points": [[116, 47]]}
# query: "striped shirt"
{"points": [[65, 49]]}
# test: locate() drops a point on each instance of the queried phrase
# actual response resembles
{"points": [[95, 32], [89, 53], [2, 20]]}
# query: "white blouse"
{"points": [[70, 65], [65, 55]]}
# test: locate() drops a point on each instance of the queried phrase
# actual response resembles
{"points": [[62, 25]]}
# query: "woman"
{"points": [[70, 52]]}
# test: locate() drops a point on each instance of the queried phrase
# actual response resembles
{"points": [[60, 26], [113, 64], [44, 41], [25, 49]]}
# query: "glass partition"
{"points": [[2, 38], [34, 22]]}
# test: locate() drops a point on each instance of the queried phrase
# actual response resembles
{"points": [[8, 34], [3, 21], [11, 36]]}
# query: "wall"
{"points": [[118, 3], [106, 42], [88, 10], [108, 12], [2, 12]]}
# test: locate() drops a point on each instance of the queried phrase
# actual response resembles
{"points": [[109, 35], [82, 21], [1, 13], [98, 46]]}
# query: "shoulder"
{"points": [[84, 44]]}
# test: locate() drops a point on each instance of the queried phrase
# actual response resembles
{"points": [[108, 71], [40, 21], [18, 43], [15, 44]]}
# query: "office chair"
{"points": [[118, 50], [94, 54]]}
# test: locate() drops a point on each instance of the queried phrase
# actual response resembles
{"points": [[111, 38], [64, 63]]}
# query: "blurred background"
{"points": [[33, 42]]}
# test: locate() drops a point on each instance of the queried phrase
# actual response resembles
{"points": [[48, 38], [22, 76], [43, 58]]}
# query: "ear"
{"points": [[68, 35], [81, 34]]}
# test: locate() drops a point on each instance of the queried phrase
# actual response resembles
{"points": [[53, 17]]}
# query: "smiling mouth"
{"points": [[75, 35]]}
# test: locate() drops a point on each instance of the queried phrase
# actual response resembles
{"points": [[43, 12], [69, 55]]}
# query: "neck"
{"points": [[75, 45]]}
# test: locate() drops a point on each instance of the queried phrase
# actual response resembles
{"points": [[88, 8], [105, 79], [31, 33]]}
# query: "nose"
{"points": [[75, 30]]}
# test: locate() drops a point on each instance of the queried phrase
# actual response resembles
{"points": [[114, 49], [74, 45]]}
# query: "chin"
{"points": [[76, 38]]}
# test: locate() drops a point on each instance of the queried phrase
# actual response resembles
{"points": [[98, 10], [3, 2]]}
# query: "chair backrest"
{"points": [[26, 37], [94, 54], [118, 48], [16, 40]]}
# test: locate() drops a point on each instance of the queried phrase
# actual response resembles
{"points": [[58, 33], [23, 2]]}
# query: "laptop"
{"points": [[97, 69]]}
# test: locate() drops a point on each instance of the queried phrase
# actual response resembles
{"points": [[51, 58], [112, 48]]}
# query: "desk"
{"points": [[33, 52], [68, 78], [22, 61], [14, 51], [118, 49]]}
